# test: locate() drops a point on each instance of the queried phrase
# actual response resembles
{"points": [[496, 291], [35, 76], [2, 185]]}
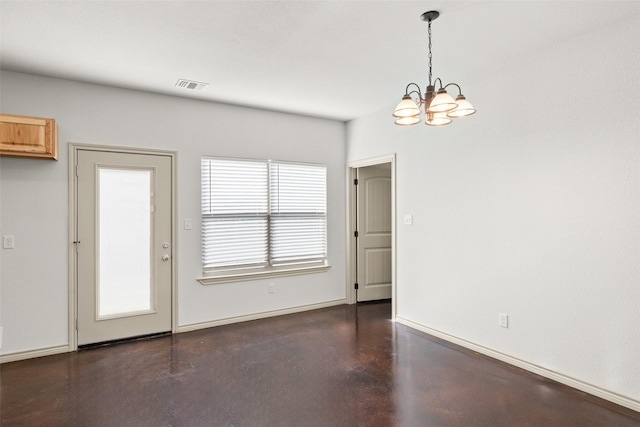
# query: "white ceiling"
{"points": [[333, 59]]}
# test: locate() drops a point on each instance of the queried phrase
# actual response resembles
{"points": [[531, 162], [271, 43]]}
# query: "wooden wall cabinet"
{"points": [[28, 137]]}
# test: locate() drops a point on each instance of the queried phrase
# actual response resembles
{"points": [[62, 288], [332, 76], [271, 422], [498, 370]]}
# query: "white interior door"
{"points": [[124, 250], [374, 232]]}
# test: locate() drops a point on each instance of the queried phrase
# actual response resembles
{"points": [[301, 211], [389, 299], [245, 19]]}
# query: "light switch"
{"points": [[503, 320], [187, 224]]}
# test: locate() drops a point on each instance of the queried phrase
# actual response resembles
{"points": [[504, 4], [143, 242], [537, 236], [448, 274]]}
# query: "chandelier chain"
{"points": [[430, 52]]}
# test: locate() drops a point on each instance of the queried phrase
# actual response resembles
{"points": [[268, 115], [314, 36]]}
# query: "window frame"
{"points": [[225, 274]]}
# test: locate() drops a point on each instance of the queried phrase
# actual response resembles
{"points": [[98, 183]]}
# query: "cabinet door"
{"points": [[28, 137]]}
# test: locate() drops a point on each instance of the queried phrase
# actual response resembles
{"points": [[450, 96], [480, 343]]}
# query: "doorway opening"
{"points": [[371, 216]]}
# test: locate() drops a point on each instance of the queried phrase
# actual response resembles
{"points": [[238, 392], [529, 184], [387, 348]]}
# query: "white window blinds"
{"points": [[262, 214], [298, 213], [234, 213]]}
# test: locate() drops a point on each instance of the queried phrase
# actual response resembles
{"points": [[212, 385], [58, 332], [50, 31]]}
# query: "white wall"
{"points": [[532, 208], [34, 198]]}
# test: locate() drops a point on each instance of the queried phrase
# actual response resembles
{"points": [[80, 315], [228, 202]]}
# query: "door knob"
{"points": [[165, 257], [165, 245]]}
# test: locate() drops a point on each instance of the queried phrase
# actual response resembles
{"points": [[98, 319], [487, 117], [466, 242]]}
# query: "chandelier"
{"points": [[439, 107]]}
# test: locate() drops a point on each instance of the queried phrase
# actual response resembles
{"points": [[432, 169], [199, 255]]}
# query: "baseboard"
{"points": [[48, 351], [256, 316], [531, 367], [30, 354]]}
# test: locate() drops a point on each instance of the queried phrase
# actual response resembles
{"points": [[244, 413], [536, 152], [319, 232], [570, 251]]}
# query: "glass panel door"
{"points": [[124, 244]]}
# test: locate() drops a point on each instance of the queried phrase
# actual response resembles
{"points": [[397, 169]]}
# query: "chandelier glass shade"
{"points": [[439, 107]]}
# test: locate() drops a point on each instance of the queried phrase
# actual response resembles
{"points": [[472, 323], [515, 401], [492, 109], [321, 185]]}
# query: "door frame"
{"points": [[351, 226], [74, 148]]}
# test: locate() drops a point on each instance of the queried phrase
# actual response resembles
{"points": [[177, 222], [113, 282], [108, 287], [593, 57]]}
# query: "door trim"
{"points": [[351, 226], [73, 206]]}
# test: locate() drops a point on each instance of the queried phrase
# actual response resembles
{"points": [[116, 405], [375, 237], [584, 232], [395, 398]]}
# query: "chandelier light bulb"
{"points": [[406, 108], [463, 109], [442, 103], [437, 119], [407, 121]]}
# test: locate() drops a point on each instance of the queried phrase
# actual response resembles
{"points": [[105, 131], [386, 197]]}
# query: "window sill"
{"points": [[256, 275]]}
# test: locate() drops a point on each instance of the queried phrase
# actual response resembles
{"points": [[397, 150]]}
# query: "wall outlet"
{"points": [[408, 219], [503, 320], [8, 242], [187, 224], [271, 288]]}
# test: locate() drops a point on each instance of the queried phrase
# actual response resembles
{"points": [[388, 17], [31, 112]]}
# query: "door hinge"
{"points": [[76, 324], [355, 233], [77, 171], [355, 286], [355, 181]]}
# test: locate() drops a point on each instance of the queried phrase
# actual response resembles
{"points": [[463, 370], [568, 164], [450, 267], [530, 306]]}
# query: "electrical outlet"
{"points": [[503, 320], [408, 219], [187, 224], [271, 288], [8, 242]]}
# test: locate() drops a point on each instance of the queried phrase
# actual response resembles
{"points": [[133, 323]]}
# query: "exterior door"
{"points": [[373, 195], [124, 245]]}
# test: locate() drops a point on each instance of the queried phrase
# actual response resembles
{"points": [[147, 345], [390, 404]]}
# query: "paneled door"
{"points": [[373, 195], [124, 245]]}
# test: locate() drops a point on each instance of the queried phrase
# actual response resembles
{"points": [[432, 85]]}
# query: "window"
{"points": [[261, 216]]}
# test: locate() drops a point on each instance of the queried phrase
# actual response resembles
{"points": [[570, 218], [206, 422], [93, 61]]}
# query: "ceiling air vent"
{"points": [[190, 84]]}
